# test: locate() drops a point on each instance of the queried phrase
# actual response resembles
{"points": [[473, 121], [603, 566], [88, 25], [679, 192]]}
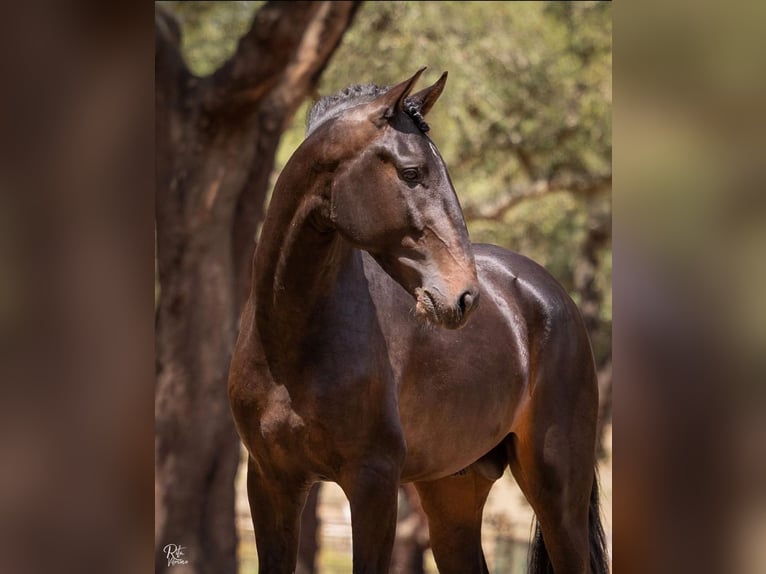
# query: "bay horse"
{"points": [[338, 376]]}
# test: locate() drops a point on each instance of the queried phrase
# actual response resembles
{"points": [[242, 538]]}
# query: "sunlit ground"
{"points": [[505, 535]]}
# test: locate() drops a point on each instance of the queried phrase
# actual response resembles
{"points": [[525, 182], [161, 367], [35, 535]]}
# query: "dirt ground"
{"points": [[505, 534]]}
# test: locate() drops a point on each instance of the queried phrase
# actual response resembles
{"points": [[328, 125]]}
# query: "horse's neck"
{"points": [[297, 264]]}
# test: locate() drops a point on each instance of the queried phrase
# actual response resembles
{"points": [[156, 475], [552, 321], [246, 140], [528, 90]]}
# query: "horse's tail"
{"points": [[540, 562], [599, 559]]}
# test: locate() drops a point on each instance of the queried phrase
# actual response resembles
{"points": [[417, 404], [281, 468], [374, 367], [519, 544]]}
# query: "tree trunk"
{"points": [[308, 546], [216, 138], [412, 536]]}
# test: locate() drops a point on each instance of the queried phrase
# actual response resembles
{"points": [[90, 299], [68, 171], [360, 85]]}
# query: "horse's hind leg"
{"points": [[552, 458], [454, 508], [275, 505]]}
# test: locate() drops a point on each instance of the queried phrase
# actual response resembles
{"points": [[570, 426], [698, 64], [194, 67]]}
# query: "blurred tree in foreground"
{"points": [[216, 137]]}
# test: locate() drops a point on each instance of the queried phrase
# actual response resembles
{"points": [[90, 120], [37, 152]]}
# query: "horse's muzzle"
{"points": [[434, 308]]}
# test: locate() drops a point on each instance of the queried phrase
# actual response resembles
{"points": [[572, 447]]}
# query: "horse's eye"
{"points": [[410, 175]]}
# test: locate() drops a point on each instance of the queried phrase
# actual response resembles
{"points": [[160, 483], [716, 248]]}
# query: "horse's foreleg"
{"points": [[372, 491], [454, 506], [275, 504]]}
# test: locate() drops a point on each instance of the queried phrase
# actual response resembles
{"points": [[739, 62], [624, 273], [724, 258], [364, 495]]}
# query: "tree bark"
{"points": [[308, 547], [215, 139], [412, 535]]}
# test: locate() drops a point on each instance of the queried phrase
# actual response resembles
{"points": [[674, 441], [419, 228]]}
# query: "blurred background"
{"points": [[525, 129]]}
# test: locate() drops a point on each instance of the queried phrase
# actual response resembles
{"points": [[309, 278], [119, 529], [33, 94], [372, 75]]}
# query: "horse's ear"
{"points": [[425, 99], [388, 104]]}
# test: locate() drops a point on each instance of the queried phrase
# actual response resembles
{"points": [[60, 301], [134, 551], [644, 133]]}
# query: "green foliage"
{"points": [[547, 230], [528, 82]]}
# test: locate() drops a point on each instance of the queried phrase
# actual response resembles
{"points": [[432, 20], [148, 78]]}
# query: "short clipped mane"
{"points": [[331, 106]]}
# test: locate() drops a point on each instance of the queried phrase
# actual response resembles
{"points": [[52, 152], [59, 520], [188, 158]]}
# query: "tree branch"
{"points": [[279, 29], [586, 185]]}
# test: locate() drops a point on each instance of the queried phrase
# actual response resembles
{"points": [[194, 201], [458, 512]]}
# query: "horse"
{"points": [[379, 346]]}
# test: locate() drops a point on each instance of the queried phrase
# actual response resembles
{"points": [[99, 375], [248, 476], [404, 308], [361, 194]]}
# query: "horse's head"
{"points": [[392, 196]]}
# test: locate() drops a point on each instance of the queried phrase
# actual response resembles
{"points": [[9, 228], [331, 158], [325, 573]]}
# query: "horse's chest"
{"points": [[341, 345]]}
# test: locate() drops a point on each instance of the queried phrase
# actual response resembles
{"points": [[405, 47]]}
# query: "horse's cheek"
{"points": [[360, 224]]}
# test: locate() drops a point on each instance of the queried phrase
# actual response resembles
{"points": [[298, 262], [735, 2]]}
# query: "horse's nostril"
{"points": [[467, 300]]}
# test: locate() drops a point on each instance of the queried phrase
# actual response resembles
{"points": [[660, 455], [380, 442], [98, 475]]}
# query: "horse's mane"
{"points": [[330, 106]]}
